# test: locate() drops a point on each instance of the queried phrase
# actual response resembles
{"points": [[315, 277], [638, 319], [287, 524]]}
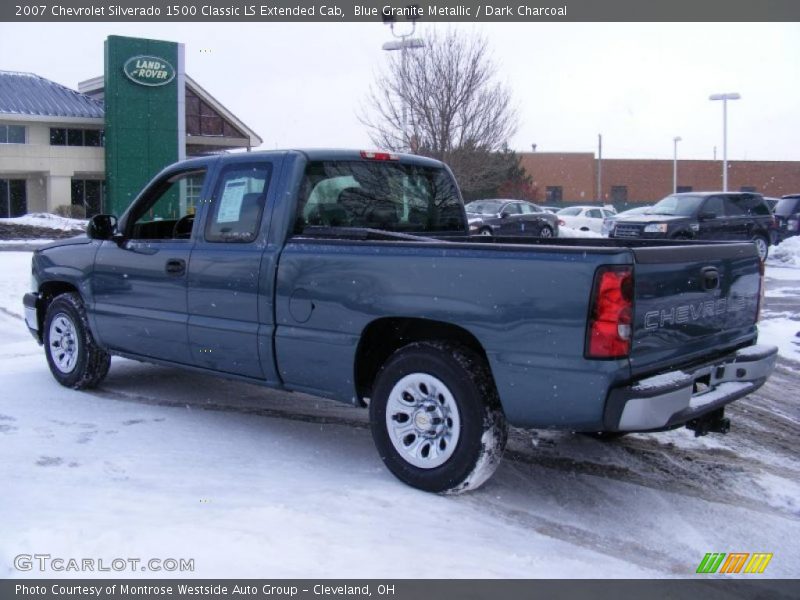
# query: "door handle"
{"points": [[175, 266]]}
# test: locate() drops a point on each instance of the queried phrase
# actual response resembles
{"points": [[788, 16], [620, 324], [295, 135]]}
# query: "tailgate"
{"points": [[692, 302]]}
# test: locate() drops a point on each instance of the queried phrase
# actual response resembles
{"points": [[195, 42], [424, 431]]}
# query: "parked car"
{"points": [[787, 216], [704, 216], [550, 209], [608, 222], [585, 218], [510, 217], [351, 275]]}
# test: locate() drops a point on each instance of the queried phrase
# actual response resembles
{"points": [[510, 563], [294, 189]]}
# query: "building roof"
{"points": [[95, 88], [30, 94]]}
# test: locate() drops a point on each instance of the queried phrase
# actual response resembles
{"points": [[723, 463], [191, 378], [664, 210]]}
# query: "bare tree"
{"points": [[455, 109]]}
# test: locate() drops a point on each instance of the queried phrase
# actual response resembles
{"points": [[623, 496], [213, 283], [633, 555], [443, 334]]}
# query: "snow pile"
{"points": [[47, 221], [787, 253], [569, 232]]}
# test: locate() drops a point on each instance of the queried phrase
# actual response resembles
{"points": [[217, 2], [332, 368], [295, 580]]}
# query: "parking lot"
{"points": [[159, 462]]}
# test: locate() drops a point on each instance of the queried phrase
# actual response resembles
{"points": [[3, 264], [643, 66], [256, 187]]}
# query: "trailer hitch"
{"points": [[713, 422]]}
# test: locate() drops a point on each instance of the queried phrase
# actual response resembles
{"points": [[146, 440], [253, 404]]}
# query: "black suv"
{"points": [[787, 216], [704, 216]]}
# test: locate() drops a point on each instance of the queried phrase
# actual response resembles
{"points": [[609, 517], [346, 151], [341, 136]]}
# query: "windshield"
{"points": [[484, 207], [787, 206], [379, 195], [677, 206]]}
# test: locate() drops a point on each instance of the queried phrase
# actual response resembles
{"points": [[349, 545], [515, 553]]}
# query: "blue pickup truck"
{"points": [[351, 275]]}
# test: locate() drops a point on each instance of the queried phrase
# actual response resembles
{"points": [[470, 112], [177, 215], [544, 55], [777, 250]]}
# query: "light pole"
{"points": [[405, 43], [725, 98], [675, 141]]}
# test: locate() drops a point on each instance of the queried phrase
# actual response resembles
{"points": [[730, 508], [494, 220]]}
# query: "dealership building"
{"points": [[54, 140]]}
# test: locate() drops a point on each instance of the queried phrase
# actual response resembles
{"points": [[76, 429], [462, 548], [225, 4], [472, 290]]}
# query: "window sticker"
{"points": [[230, 205]]}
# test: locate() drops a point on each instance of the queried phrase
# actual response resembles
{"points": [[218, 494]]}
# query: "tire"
{"points": [[462, 450], [485, 231], [762, 245], [546, 232], [74, 358]]}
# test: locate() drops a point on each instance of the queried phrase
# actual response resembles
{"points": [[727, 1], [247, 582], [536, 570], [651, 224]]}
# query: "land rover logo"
{"points": [[149, 70]]}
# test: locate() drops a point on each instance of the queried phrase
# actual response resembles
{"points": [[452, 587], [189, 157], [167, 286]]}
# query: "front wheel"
{"points": [[546, 232], [74, 358], [436, 418], [486, 231]]}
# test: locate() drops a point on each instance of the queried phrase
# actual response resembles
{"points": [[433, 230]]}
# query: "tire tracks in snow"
{"points": [[706, 473]]}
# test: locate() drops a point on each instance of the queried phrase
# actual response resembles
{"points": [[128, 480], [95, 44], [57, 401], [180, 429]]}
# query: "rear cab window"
{"points": [[385, 195]]}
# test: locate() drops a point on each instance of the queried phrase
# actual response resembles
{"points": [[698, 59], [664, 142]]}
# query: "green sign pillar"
{"points": [[145, 116]]}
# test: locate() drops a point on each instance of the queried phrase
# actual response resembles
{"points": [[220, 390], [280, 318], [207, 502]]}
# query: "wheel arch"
{"points": [[48, 291], [382, 337]]}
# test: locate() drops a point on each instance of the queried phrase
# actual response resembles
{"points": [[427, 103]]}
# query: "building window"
{"points": [[13, 201], [619, 194], [682, 189], [12, 134], [553, 193], [203, 120], [747, 188], [61, 136], [88, 193]]}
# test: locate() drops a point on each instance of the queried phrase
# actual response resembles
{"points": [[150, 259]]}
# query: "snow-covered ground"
{"points": [[571, 232], [48, 221], [250, 482]]}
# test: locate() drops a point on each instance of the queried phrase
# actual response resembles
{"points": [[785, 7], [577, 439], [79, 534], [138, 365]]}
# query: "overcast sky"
{"points": [[640, 85]]}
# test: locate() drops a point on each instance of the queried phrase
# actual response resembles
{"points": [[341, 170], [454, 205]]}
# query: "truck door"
{"points": [[230, 327], [139, 282]]}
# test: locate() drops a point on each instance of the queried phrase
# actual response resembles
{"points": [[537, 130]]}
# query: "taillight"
{"points": [[611, 314], [378, 155], [561, 223]]}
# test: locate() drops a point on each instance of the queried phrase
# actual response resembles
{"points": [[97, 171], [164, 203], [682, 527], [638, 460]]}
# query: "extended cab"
{"points": [[351, 275]]}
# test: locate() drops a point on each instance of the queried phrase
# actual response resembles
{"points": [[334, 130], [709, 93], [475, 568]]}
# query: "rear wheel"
{"points": [[436, 418], [486, 231], [546, 232], [762, 245], [74, 358]]}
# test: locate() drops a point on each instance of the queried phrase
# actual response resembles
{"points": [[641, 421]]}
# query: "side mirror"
{"points": [[706, 216], [101, 227]]}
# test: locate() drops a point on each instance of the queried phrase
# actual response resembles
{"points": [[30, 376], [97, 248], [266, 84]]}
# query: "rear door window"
{"points": [[755, 206], [734, 206]]}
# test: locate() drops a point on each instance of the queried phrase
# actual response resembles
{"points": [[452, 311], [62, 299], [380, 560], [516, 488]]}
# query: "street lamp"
{"points": [[675, 141], [405, 43], [725, 98]]}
